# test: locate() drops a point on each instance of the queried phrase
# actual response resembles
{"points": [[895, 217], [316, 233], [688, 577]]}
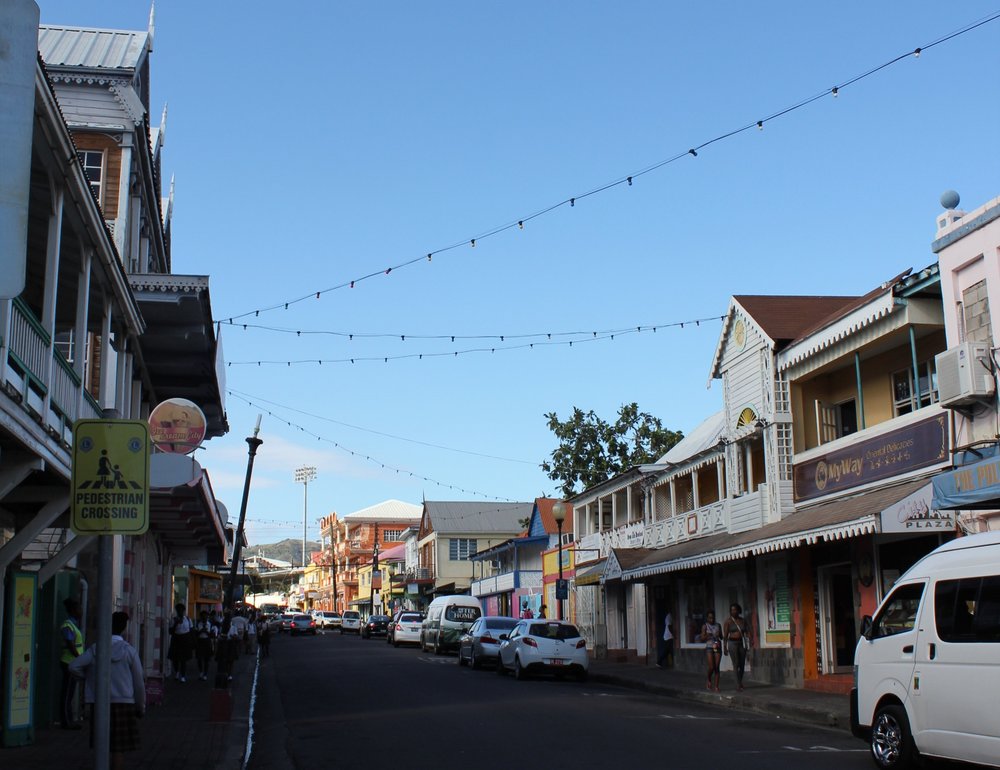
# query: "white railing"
{"points": [[530, 578], [505, 581], [706, 520]]}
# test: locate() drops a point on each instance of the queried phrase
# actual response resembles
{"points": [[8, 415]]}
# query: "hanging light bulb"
{"points": [[473, 242], [835, 91], [520, 225], [916, 52], [693, 152], [760, 125]]}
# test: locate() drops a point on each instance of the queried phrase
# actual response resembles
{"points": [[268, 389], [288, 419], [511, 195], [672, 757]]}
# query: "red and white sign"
{"points": [[177, 425]]}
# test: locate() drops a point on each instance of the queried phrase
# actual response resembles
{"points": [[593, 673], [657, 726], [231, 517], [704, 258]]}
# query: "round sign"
{"points": [[177, 425]]}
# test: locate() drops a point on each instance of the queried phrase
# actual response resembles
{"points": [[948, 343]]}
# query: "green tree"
{"points": [[592, 450]]}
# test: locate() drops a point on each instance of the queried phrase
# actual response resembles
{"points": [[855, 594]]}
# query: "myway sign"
{"points": [[110, 477]]}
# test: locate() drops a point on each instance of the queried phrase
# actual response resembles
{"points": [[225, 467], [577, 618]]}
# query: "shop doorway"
{"points": [[838, 626]]}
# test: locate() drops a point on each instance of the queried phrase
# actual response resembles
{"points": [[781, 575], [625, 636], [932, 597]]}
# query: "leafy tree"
{"points": [[592, 450]]}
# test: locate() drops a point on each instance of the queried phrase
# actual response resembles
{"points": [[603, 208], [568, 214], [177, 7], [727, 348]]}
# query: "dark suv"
{"points": [[376, 625]]}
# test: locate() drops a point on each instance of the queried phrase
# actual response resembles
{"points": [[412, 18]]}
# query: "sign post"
{"points": [[110, 496]]}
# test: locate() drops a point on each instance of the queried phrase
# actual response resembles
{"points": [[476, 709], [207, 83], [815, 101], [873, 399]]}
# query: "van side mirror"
{"points": [[866, 627]]}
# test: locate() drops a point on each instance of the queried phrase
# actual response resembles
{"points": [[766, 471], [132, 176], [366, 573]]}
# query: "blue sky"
{"points": [[328, 141]]}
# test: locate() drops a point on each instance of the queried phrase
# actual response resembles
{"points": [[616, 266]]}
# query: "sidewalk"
{"points": [[816, 708], [175, 734]]}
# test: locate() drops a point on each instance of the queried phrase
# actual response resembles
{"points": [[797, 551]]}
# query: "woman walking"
{"points": [[179, 651], [711, 635], [735, 633]]}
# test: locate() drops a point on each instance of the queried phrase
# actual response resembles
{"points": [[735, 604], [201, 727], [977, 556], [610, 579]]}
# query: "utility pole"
{"points": [[374, 570]]}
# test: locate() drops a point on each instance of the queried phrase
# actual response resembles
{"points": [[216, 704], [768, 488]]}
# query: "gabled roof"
{"points": [[388, 510], [92, 49], [544, 523], [474, 517], [780, 318]]}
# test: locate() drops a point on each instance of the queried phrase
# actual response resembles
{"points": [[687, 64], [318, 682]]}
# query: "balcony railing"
{"points": [[507, 581], [37, 374], [702, 521]]}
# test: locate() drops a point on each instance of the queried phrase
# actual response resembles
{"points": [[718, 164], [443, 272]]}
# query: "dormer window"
{"points": [[92, 162]]}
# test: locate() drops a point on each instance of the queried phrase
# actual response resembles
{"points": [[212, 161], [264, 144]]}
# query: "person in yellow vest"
{"points": [[71, 638]]}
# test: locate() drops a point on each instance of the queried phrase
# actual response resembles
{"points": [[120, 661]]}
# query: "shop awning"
{"points": [[590, 574], [183, 511], [975, 486], [849, 516]]}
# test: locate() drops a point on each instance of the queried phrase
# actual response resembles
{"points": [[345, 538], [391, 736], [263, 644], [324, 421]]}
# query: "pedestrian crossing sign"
{"points": [[110, 477]]}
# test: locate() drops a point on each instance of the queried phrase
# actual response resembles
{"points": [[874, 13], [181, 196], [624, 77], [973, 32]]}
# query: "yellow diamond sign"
{"points": [[110, 477]]}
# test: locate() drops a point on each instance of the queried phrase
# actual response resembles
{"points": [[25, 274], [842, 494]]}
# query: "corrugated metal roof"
{"points": [[705, 436], [99, 49], [388, 510], [477, 517]]}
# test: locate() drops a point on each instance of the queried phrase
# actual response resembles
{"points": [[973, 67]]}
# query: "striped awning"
{"points": [[845, 517]]}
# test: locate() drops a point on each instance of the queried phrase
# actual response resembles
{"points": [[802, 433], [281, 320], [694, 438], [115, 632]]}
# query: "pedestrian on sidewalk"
{"points": [[251, 636], [541, 611], [206, 632], [181, 647], [127, 689], [711, 635], [72, 648], [667, 648], [734, 631], [264, 639]]}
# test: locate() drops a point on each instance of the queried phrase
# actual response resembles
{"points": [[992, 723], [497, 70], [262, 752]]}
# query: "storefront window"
{"points": [[774, 601]]}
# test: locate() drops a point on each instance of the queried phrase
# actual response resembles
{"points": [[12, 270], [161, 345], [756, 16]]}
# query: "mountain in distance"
{"points": [[289, 550]]}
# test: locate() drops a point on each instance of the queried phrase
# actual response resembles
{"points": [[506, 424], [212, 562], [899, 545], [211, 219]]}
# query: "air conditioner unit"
{"points": [[964, 374]]}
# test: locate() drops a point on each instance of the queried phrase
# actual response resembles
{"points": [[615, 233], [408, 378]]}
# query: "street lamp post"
{"points": [[303, 476], [559, 514]]}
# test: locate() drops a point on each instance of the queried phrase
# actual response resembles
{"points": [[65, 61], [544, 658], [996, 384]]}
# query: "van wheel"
{"points": [[891, 742], [438, 648], [520, 673]]}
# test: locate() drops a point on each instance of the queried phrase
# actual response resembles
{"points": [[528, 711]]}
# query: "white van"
{"points": [[448, 617], [927, 668]]}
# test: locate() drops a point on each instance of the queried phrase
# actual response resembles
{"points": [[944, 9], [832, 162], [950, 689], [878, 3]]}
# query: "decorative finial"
{"points": [[950, 199]]}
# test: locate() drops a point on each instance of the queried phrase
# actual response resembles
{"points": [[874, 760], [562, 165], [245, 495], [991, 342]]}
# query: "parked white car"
{"points": [[543, 646], [351, 621], [407, 629], [327, 619]]}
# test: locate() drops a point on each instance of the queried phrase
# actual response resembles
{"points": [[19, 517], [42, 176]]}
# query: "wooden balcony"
{"points": [[35, 374]]}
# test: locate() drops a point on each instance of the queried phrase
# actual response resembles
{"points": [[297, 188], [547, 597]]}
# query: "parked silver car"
{"points": [[481, 643]]}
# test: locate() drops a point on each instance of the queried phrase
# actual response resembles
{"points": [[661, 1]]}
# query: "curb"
{"points": [[759, 705]]}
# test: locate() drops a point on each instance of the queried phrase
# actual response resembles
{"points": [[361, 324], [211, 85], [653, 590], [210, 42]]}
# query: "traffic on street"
{"points": [[362, 696]]}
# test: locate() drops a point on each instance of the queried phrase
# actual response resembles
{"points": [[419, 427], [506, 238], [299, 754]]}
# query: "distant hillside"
{"points": [[287, 550]]}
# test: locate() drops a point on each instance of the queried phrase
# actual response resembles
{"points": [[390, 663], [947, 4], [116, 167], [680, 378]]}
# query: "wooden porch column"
{"points": [[695, 497], [673, 498], [721, 478], [51, 290], [106, 398], [80, 327]]}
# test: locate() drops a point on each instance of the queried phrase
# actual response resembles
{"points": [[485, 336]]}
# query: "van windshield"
{"points": [[459, 614], [899, 614]]}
